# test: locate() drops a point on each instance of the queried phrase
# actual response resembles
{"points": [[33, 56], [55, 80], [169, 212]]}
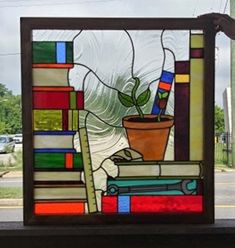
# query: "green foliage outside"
{"points": [[10, 112], [219, 120], [11, 193], [223, 157]]}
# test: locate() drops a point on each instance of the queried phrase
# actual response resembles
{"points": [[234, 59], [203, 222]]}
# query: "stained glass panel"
{"points": [[118, 122]]}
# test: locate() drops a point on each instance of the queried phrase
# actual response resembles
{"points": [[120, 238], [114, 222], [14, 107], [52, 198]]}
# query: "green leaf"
{"points": [[159, 95], [125, 99], [165, 95], [143, 98]]}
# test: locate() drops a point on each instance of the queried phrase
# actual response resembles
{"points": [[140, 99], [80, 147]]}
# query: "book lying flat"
{"points": [[55, 176], [50, 77], [55, 120], [58, 160], [120, 186], [53, 139], [164, 169], [58, 99], [52, 52], [58, 192], [60, 208], [151, 204]]}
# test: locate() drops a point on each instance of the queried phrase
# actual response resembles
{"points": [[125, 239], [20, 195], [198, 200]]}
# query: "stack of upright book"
{"points": [[154, 187]]}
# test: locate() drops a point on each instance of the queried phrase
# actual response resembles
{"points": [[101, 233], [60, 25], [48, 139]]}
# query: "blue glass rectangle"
{"points": [[167, 77], [54, 132], [123, 204], [55, 150], [155, 109], [61, 52]]}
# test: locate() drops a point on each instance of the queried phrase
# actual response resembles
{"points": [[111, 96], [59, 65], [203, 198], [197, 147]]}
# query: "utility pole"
{"points": [[232, 13]]}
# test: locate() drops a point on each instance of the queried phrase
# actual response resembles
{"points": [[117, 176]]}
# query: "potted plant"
{"points": [[146, 133]]}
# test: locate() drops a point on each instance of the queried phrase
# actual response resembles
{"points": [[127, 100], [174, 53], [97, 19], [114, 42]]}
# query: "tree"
{"points": [[219, 120], [10, 112], [4, 91]]}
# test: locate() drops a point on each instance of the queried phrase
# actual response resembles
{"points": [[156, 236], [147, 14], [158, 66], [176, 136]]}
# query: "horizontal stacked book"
{"points": [[58, 167], [155, 187]]}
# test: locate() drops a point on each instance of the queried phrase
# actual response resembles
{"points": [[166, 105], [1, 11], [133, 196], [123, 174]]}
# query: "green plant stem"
{"points": [[140, 112], [159, 116], [134, 99], [133, 92]]}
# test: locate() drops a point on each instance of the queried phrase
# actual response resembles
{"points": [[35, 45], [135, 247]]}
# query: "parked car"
{"points": [[18, 138], [7, 144]]}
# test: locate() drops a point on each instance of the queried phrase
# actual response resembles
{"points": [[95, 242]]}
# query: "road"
{"points": [[224, 197], [11, 182], [11, 213]]}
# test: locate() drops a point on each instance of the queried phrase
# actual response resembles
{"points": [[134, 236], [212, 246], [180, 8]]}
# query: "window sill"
{"points": [[220, 234]]}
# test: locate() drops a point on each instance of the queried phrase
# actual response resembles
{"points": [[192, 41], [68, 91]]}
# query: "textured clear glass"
{"points": [[106, 63]]}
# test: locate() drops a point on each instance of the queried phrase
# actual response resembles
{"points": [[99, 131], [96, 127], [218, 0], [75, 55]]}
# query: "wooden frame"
{"points": [[29, 24]]}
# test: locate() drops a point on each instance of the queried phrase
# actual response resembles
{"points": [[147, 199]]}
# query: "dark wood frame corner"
{"points": [[29, 24]]}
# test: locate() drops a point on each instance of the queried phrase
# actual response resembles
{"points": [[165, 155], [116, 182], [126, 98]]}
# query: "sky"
{"points": [[12, 10]]}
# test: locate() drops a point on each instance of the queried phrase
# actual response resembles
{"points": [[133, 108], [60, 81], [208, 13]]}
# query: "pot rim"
{"points": [[148, 125]]}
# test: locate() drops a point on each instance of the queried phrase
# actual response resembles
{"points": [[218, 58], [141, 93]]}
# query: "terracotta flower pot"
{"points": [[148, 136]]}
